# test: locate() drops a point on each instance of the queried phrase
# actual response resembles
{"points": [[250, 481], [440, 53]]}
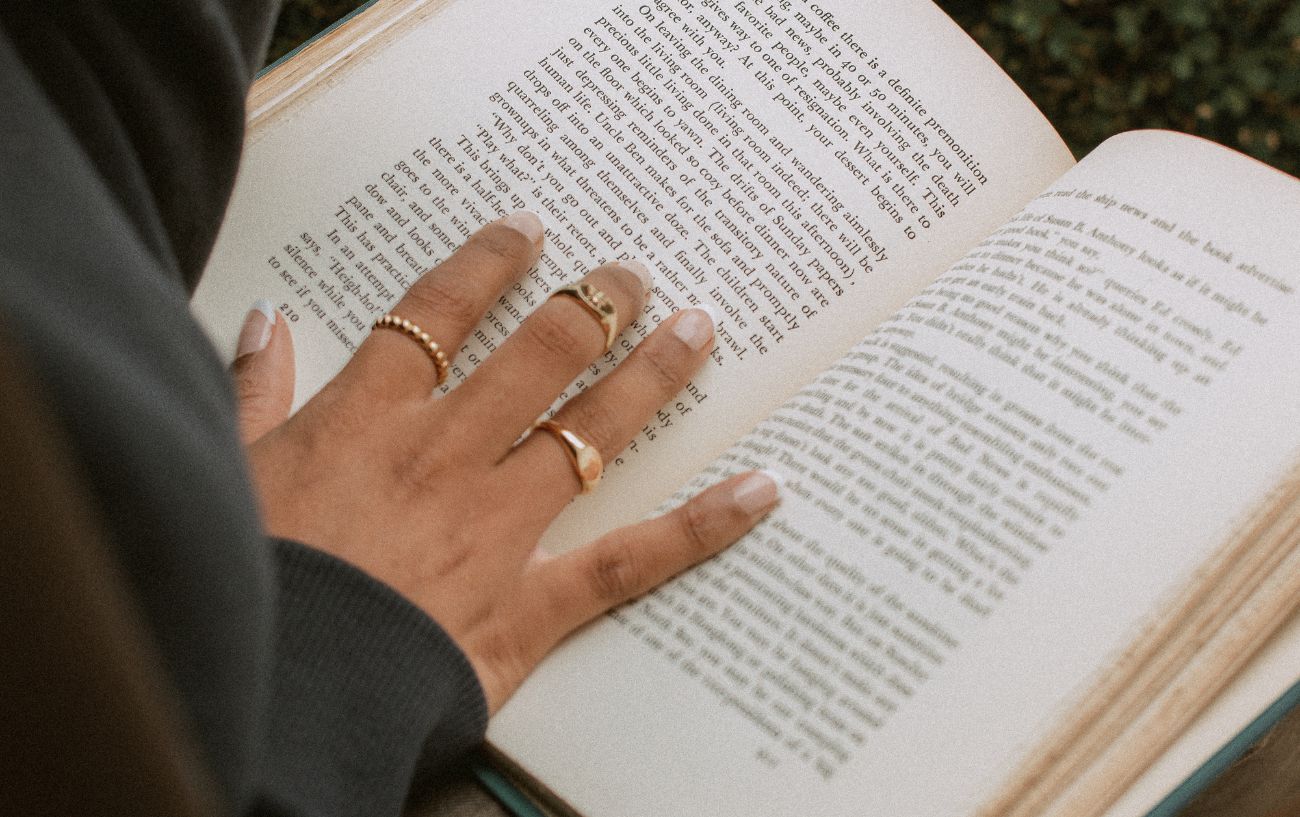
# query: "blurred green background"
{"points": [[1228, 70]]}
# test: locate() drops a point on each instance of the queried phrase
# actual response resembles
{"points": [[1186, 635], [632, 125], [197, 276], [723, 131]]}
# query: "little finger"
{"points": [[578, 586]]}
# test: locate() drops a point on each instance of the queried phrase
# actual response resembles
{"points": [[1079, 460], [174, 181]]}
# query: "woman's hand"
{"points": [[439, 498]]}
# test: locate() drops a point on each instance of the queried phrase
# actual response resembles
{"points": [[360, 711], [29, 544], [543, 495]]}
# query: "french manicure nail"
{"points": [[256, 333], [526, 222], [695, 326], [640, 270], [758, 493]]}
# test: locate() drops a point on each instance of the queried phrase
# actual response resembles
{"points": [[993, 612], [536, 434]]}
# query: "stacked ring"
{"points": [[586, 460], [595, 302], [415, 333]]}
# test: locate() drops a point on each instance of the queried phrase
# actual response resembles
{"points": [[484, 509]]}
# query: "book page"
{"points": [[988, 500], [803, 167], [1266, 679]]}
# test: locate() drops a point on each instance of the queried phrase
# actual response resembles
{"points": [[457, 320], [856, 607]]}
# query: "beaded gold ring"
{"points": [[415, 333]]}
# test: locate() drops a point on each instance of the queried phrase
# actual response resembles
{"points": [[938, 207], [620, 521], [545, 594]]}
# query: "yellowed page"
{"points": [[1263, 681], [988, 500], [804, 170]]}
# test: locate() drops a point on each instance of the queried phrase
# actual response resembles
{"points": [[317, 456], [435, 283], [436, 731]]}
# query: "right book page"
{"points": [[989, 502]]}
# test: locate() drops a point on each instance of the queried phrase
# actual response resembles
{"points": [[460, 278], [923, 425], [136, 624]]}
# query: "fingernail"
{"points": [[526, 222], [639, 269], [257, 328], [757, 493], [695, 326]]}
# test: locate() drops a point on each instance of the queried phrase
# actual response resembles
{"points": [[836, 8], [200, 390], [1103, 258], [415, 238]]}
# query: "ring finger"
{"points": [[609, 414], [520, 380]]}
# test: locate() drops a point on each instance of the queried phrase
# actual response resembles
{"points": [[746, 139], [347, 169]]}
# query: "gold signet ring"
{"points": [[597, 304], [586, 460], [415, 333]]}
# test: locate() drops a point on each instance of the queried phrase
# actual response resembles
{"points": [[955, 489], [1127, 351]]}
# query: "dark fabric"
{"points": [[90, 724], [456, 794], [151, 94], [354, 702], [119, 137]]}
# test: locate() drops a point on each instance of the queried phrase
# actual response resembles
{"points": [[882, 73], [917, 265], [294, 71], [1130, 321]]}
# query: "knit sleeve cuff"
{"points": [[367, 688]]}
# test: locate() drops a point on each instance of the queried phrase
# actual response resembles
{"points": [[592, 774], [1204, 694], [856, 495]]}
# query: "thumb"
{"points": [[263, 371]]}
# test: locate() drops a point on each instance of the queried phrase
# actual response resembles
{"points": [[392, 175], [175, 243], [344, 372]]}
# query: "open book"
{"points": [[1039, 422]]}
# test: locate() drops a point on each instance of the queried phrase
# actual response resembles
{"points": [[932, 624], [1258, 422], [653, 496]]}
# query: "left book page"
{"points": [[805, 168]]}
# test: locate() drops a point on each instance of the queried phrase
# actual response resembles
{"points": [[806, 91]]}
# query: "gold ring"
{"points": [[597, 304], [415, 333], [586, 460]]}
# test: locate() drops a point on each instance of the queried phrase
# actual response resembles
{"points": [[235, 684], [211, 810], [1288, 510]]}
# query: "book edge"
{"points": [[516, 801], [292, 80], [320, 35], [1228, 754]]}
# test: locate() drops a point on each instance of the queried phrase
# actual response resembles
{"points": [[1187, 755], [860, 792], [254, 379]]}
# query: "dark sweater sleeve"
{"points": [[365, 684], [310, 688]]}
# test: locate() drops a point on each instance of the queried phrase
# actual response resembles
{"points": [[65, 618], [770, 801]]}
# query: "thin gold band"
{"points": [[597, 304], [415, 333], [586, 460]]}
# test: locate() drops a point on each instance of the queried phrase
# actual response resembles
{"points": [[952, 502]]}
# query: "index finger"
{"points": [[447, 302]]}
